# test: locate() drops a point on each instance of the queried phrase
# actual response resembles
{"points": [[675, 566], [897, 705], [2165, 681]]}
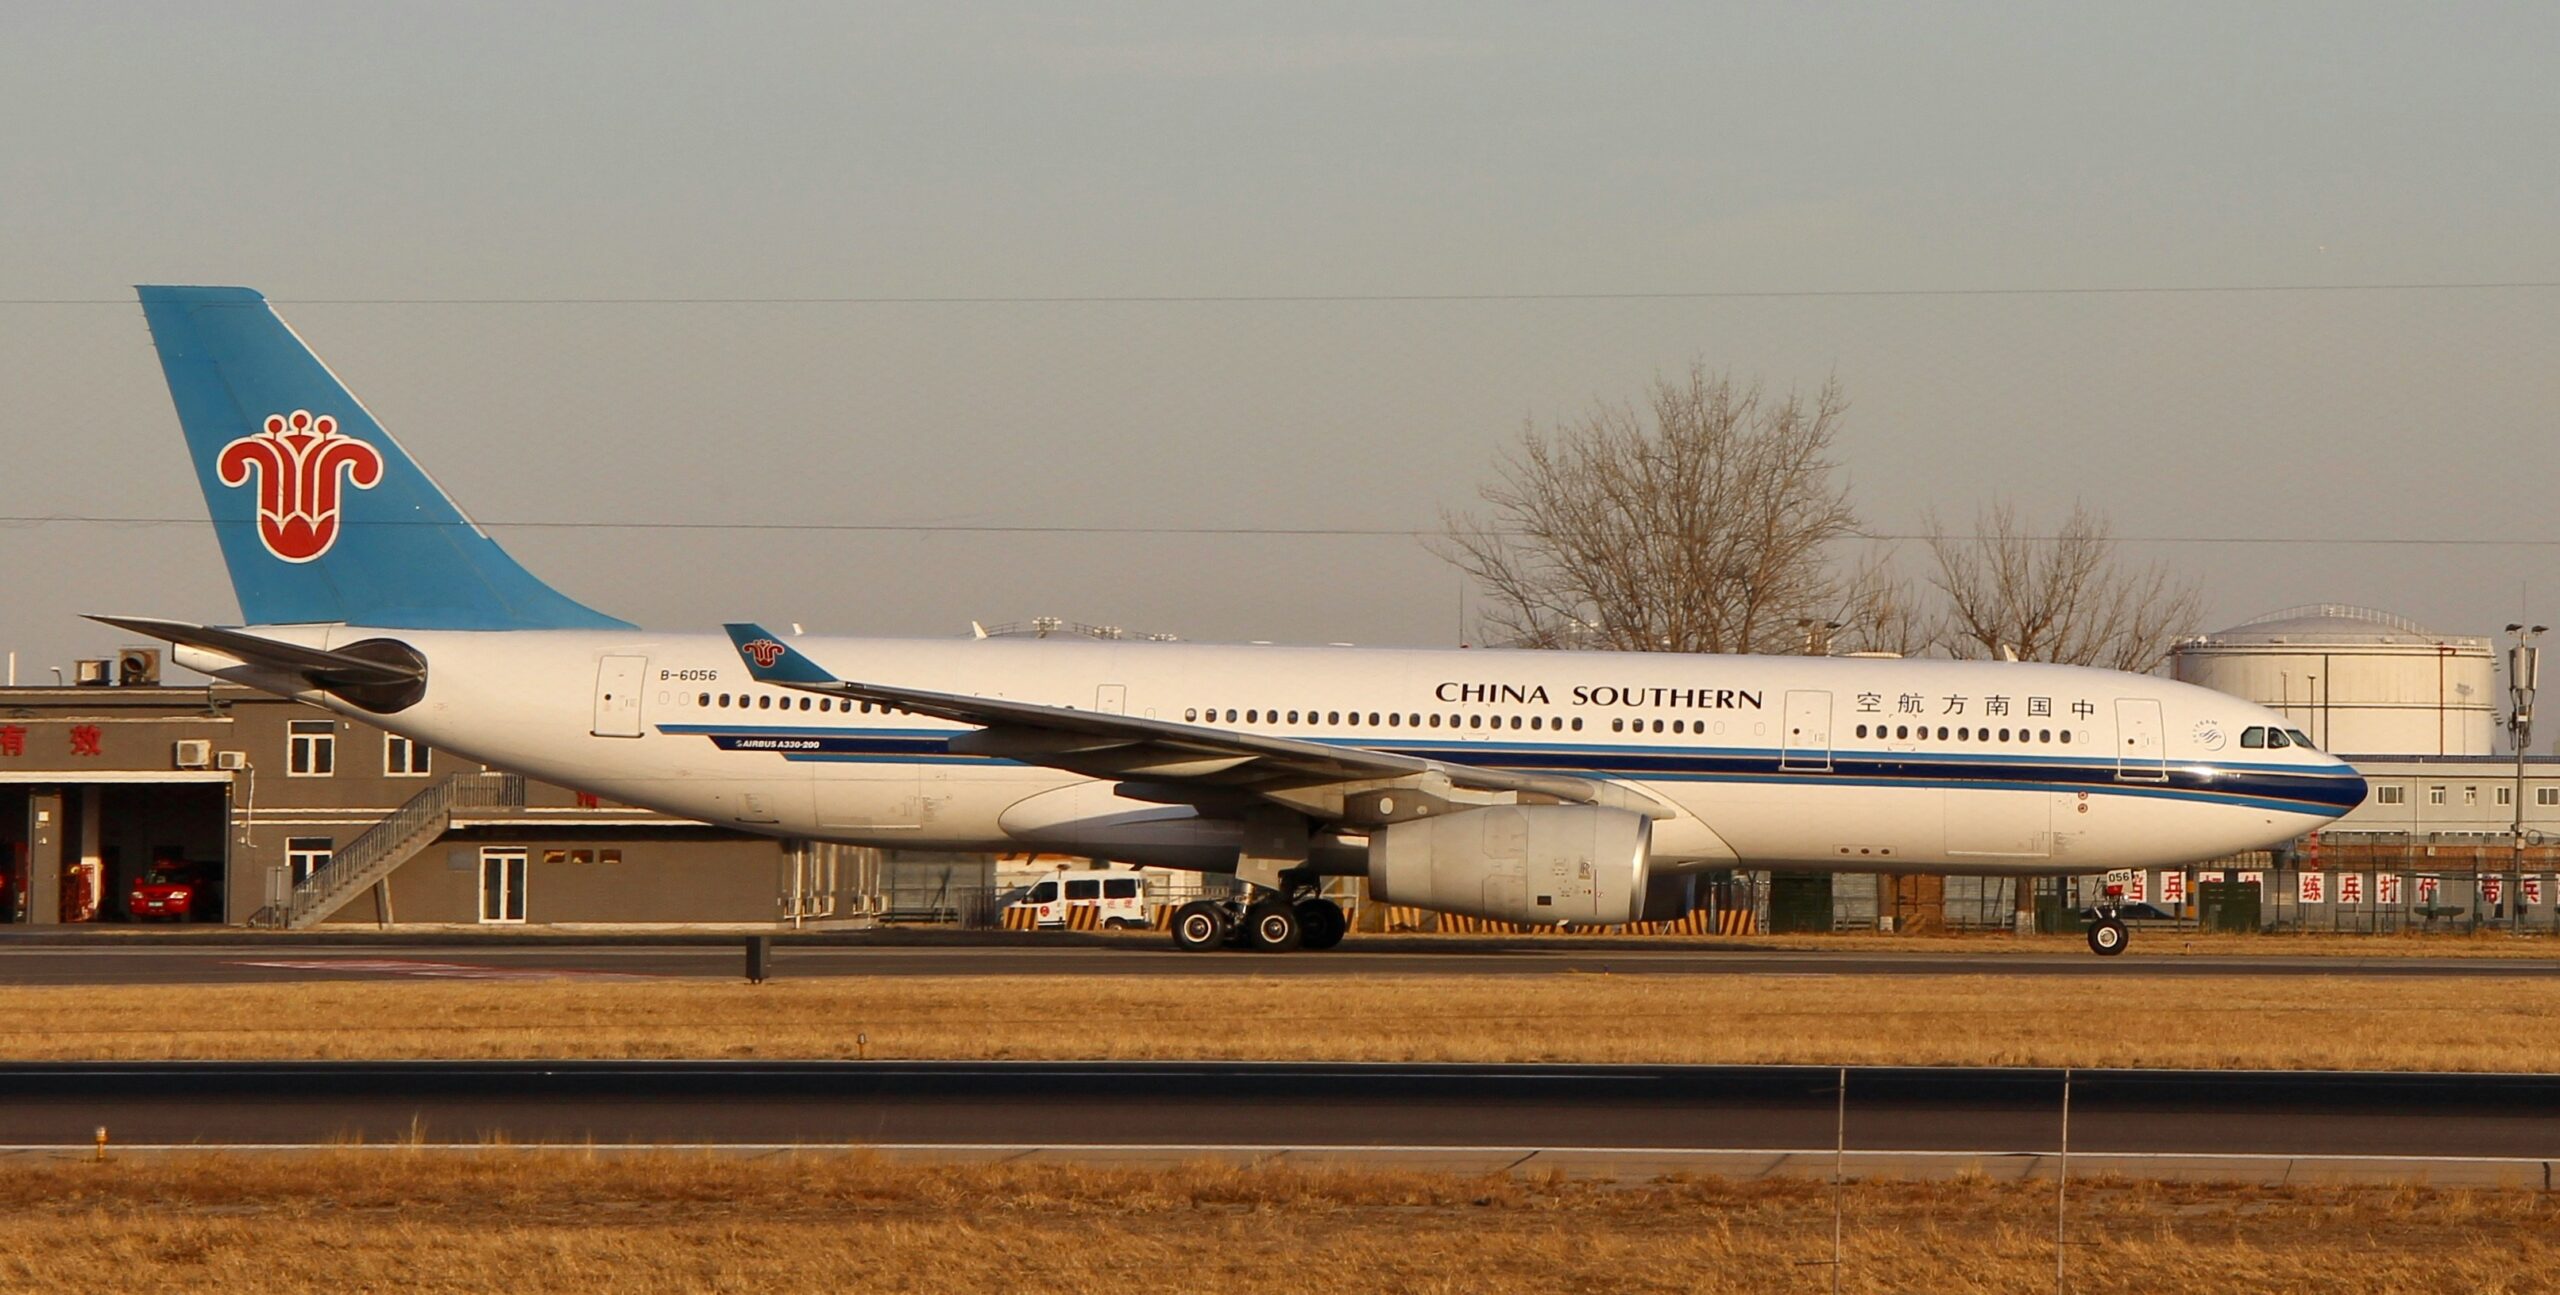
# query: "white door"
{"points": [[2142, 754], [1808, 732], [502, 885], [618, 683]]}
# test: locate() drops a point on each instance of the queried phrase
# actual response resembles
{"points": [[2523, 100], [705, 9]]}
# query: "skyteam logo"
{"points": [[299, 460], [764, 652]]}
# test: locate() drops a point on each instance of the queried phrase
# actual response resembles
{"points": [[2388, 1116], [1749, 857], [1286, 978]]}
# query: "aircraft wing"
{"points": [[1099, 744]]}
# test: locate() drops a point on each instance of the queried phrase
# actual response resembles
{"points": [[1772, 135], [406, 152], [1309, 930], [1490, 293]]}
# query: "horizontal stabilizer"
{"points": [[325, 668]]}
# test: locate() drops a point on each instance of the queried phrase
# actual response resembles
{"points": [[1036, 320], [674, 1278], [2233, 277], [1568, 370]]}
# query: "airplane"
{"points": [[1545, 787]]}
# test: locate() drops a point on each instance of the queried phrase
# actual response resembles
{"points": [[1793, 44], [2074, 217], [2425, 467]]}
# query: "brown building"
{"points": [[267, 812]]}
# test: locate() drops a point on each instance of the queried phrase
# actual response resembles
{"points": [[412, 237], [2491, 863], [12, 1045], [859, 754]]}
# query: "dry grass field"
{"points": [[396, 1220], [2114, 1020]]}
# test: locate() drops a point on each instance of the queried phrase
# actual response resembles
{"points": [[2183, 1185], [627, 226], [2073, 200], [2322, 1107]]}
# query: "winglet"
{"points": [[770, 660]]}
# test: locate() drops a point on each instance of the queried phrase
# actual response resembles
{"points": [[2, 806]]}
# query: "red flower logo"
{"points": [[764, 652], [299, 460]]}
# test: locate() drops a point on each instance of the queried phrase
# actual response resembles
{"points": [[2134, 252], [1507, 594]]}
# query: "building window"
{"points": [[305, 855], [2546, 797], [2435, 795], [2470, 795], [311, 748], [2390, 795], [402, 758], [2506, 795]]}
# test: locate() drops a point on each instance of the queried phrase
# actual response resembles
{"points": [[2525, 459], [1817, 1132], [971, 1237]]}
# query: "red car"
{"points": [[165, 890]]}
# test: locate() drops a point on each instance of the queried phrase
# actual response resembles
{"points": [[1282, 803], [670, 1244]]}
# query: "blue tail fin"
{"points": [[322, 516]]}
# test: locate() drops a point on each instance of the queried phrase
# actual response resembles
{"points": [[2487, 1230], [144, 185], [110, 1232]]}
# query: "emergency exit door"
{"points": [[1808, 732], [618, 683], [2142, 751]]}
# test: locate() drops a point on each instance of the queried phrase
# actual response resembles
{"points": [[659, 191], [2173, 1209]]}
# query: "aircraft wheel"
{"points": [[1272, 927], [1199, 925], [2108, 937], [1321, 924]]}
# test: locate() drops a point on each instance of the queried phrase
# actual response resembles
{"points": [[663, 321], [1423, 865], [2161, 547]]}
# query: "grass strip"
{"points": [[341, 1221], [2316, 1023]]}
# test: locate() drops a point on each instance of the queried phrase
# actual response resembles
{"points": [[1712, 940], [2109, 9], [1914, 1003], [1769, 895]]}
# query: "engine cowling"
{"points": [[1580, 865]]}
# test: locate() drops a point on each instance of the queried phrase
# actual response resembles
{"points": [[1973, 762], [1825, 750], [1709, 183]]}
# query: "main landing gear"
{"points": [[2107, 936], [1267, 922]]}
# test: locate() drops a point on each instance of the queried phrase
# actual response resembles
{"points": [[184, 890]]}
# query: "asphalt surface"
{"points": [[911, 1104], [241, 958]]}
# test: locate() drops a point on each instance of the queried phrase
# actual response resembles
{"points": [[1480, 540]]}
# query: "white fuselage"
{"points": [[1843, 764]]}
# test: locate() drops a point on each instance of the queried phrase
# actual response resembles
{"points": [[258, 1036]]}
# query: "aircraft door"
{"points": [[1111, 698], [618, 686], [1806, 741], [2142, 752]]}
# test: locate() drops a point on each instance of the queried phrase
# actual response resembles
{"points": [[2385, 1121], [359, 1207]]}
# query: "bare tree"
{"points": [[1884, 610], [1701, 524], [2063, 597]]}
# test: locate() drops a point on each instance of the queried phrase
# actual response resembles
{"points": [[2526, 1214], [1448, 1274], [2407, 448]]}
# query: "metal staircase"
{"points": [[395, 840]]}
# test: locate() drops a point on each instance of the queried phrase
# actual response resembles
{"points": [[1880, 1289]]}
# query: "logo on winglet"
{"points": [[764, 652], [300, 460]]}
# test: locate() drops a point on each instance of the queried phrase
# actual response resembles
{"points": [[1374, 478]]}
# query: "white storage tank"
{"points": [[2359, 681]]}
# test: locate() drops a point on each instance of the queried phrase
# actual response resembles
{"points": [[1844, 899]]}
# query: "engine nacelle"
{"points": [[1583, 865]]}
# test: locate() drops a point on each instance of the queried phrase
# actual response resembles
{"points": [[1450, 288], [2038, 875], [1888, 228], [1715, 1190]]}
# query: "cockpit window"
{"points": [[2299, 740], [2276, 738], [2255, 739]]}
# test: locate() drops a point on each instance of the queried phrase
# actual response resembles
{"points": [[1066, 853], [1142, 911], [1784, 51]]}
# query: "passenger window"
{"points": [[706, 700], [1391, 719], [1475, 721], [1044, 893], [2044, 735], [2004, 735], [1942, 732], [1657, 726], [1084, 889], [1618, 725], [764, 701], [1120, 888], [1435, 721], [1190, 714], [2066, 737], [1577, 723], [1293, 717], [1333, 717], [2255, 738], [1515, 721]]}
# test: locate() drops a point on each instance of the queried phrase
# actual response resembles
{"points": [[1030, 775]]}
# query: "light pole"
{"points": [[2524, 666]]}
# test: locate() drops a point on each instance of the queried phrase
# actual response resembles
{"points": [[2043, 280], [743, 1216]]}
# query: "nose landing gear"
{"points": [[2107, 936]]}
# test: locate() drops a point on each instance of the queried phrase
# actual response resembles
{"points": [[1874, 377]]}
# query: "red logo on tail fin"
{"points": [[299, 460], [764, 652]]}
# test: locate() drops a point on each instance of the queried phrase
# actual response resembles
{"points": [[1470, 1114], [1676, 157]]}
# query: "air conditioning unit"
{"points": [[193, 753], [138, 668], [96, 673], [232, 760]]}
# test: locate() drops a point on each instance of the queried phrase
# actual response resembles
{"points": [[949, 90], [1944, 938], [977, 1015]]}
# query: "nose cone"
{"points": [[2352, 787]]}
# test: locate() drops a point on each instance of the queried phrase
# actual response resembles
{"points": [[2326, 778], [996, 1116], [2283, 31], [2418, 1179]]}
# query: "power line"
{"points": [[1324, 298], [1282, 532]]}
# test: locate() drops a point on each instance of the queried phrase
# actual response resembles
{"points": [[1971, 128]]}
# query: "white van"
{"points": [[1115, 897]]}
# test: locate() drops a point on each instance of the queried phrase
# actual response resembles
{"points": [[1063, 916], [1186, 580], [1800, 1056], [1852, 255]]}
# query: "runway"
{"points": [[1434, 1114], [243, 957]]}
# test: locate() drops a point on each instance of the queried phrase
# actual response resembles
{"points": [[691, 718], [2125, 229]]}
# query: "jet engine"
{"points": [[1580, 865]]}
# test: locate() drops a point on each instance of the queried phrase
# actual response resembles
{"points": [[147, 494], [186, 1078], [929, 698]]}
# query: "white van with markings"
{"points": [[1116, 898]]}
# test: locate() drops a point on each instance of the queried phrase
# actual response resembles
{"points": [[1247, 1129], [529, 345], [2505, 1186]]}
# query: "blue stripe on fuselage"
{"points": [[2268, 786]]}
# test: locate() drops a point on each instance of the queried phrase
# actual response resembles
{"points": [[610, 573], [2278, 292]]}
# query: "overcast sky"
{"points": [[888, 266]]}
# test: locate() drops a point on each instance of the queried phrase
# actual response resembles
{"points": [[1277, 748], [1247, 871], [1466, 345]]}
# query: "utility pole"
{"points": [[2524, 667]]}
